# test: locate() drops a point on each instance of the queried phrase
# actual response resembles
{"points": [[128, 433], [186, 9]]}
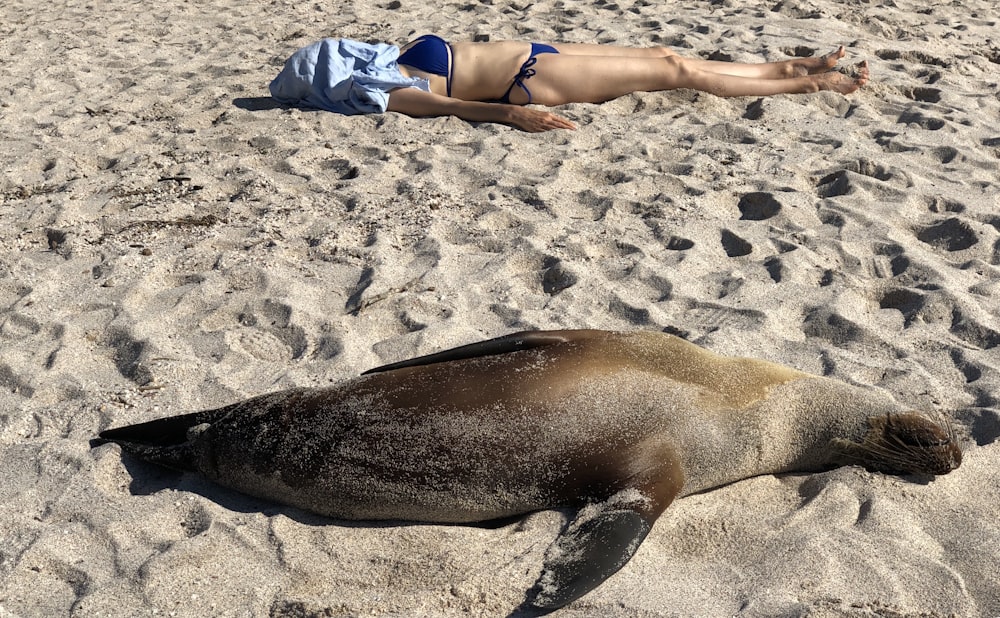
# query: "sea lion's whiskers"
{"points": [[904, 443]]}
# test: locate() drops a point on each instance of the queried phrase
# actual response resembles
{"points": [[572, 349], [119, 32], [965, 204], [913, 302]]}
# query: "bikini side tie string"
{"points": [[526, 73]]}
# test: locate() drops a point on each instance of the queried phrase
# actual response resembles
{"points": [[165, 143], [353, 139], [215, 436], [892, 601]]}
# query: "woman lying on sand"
{"points": [[491, 82]]}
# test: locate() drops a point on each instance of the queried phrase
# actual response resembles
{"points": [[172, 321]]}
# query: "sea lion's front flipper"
{"points": [[595, 545], [603, 536], [515, 342]]}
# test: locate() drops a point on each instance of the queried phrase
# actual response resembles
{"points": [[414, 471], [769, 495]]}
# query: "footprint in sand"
{"points": [[555, 276], [918, 119], [735, 246], [910, 57], [915, 305], [129, 355], [922, 94], [711, 316], [636, 315], [758, 206], [268, 333], [971, 370], [952, 234]]}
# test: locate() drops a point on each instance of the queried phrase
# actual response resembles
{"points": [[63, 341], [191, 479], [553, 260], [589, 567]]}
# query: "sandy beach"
{"points": [[172, 239]]}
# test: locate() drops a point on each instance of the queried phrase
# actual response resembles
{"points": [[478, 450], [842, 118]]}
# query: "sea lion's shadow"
{"points": [[148, 479]]}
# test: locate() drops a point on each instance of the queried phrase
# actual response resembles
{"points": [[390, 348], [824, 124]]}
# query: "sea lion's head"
{"points": [[907, 443]]}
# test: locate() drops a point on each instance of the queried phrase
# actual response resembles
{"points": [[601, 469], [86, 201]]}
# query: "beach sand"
{"points": [[172, 240]]}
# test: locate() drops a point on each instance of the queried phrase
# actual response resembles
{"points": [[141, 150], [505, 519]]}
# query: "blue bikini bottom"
{"points": [[526, 70]]}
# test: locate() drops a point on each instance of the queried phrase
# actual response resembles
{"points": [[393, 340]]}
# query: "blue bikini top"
{"points": [[430, 54]]}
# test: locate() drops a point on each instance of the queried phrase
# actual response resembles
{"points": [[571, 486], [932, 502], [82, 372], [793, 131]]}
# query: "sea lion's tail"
{"points": [[169, 442]]}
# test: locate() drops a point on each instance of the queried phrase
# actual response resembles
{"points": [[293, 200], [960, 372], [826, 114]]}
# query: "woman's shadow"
{"points": [[257, 104]]}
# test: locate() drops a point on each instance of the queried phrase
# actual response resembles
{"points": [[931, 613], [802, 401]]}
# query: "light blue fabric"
{"points": [[341, 75]]}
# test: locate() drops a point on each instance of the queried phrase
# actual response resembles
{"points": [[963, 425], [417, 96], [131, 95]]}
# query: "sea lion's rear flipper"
{"points": [[515, 342], [165, 441], [185, 442]]}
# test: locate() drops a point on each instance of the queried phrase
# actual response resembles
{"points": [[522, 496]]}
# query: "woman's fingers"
{"points": [[561, 123], [536, 121]]}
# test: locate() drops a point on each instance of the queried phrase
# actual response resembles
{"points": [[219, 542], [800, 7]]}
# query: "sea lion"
{"points": [[617, 424]]}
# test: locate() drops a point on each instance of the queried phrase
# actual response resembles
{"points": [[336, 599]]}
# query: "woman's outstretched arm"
{"points": [[418, 103]]}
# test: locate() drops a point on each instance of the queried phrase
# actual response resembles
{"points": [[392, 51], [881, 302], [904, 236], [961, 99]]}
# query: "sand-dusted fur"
{"points": [[618, 424]]}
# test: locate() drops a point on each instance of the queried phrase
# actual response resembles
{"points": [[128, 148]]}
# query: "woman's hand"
{"points": [[536, 120]]}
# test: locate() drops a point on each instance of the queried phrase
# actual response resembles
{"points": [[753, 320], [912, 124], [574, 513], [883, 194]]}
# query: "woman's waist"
{"points": [[484, 71]]}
